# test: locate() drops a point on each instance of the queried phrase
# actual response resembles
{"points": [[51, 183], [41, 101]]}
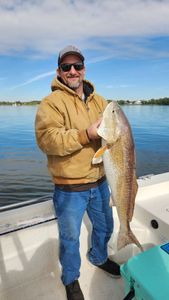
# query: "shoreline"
{"points": [[161, 101]]}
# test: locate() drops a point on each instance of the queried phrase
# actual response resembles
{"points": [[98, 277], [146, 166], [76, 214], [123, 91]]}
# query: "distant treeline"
{"points": [[161, 101], [19, 103]]}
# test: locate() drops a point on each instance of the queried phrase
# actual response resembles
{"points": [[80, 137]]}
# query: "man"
{"points": [[66, 130]]}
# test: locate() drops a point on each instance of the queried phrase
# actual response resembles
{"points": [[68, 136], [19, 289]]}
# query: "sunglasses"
{"points": [[67, 67]]}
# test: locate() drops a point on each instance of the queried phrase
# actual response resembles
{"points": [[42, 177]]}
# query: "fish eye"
{"points": [[112, 111]]}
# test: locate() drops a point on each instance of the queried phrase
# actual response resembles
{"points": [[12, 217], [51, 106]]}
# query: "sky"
{"points": [[125, 44]]}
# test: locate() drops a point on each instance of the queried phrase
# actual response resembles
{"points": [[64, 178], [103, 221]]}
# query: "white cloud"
{"points": [[36, 78], [42, 27]]}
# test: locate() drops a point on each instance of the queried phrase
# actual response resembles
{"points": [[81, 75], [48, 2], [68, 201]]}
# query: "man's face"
{"points": [[72, 78]]}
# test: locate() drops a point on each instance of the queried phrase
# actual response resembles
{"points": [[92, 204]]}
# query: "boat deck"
{"points": [[31, 269], [94, 283], [29, 264]]}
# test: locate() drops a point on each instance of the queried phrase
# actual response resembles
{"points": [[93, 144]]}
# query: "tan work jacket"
{"points": [[61, 122]]}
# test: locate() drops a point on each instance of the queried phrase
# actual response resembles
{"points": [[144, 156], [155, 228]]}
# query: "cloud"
{"points": [[41, 27], [36, 78]]}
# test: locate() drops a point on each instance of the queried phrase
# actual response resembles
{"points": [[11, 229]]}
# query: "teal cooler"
{"points": [[146, 275]]}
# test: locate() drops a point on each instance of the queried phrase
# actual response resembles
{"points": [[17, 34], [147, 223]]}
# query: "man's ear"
{"points": [[58, 72]]}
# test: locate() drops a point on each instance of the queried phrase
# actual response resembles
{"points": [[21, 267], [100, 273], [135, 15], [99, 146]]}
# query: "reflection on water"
{"points": [[23, 171]]}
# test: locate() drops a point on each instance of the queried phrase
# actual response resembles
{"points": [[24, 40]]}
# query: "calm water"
{"points": [[23, 171]]}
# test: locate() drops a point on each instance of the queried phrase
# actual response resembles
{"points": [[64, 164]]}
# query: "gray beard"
{"points": [[74, 86]]}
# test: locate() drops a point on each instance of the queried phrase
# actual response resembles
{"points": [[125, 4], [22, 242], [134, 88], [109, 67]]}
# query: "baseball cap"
{"points": [[69, 50]]}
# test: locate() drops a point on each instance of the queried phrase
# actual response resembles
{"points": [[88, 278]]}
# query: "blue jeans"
{"points": [[70, 208]]}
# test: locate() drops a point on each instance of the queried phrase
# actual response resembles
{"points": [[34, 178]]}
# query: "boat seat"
{"points": [[152, 209]]}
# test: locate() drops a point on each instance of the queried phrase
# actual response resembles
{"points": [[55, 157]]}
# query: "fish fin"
{"points": [[126, 238], [97, 158], [111, 201]]}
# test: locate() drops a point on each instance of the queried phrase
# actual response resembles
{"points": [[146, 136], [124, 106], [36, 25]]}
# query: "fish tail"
{"points": [[126, 238]]}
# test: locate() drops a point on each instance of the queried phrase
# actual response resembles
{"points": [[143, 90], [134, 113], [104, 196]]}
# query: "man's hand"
{"points": [[92, 130]]}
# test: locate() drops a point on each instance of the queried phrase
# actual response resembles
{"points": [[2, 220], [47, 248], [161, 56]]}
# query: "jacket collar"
{"points": [[57, 84]]}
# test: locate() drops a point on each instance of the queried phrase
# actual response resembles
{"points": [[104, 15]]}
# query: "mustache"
{"points": [[72, 76]]}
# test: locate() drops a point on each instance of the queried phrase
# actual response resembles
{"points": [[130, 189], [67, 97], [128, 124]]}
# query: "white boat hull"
{"points": [[29, 264]]}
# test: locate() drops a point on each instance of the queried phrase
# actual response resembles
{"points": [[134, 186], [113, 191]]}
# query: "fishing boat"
{"points": [[29, 264]]}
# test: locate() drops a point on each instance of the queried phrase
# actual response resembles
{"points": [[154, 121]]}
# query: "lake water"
{"points": [[23, 171]]}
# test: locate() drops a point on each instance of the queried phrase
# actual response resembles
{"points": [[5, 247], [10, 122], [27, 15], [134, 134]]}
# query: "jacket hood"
{"points": [[57, 84]]}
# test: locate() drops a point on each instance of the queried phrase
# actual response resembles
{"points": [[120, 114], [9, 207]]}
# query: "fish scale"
{"points": [[118, 156]]}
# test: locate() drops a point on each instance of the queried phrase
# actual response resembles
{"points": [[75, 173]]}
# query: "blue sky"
{"points": [[125, 44]]}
